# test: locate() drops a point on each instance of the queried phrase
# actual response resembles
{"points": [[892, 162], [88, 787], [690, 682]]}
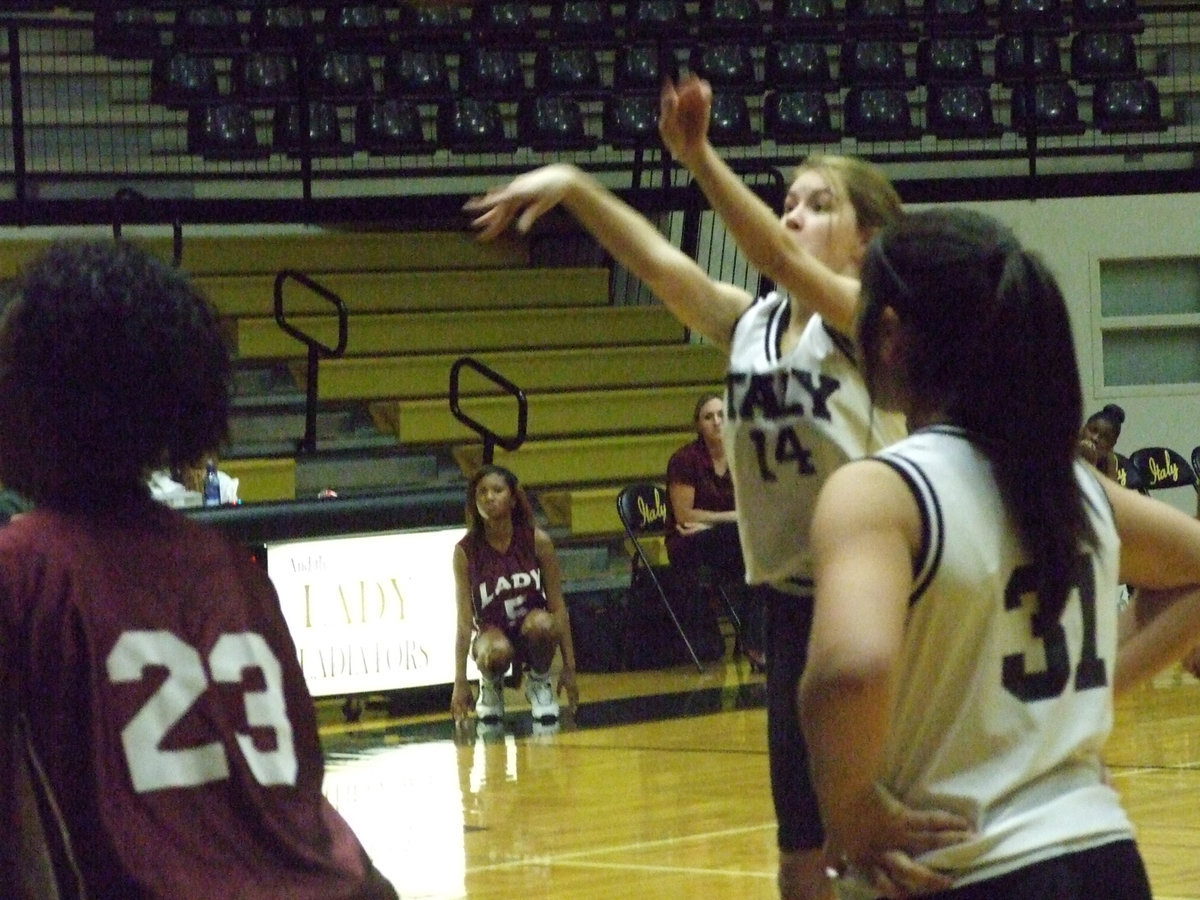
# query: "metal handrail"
{"points": [[316, 349], [125, 194], [490, 438]]}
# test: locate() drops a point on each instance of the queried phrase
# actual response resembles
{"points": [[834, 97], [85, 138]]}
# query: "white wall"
{"points": [[1072, 236]]}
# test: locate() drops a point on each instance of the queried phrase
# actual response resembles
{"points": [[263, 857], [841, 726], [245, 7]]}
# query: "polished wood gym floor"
{"points": [[658, 788]]}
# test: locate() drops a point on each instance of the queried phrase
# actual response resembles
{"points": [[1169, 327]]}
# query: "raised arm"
{"points": [[706, 306], [757, 229]]}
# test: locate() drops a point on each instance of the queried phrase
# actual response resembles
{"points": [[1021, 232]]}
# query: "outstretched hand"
{"points": [[526, 198], [887, 837], [683, 114]]}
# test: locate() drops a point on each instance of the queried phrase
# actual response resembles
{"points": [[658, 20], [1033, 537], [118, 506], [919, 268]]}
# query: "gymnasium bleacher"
{"points": [[342, 138]]}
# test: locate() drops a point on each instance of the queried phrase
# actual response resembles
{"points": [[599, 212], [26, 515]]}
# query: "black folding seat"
{"points": [[729, 123], [1099, 55], [882, 18], [410, 72], [127, 32], [1055, 108], [589, 20], [357, 26], [469, 124], [666, 19], [732, 18], [224, 131], [265, 77], [960, 111], [724, 64], [324, 137], [963, 17], [179, 80], [343, 75], [1027, 16], [570, 69], [798, 63], [1126, 105], [492, 72], [503, 21], [631, 120], [284, 27], [554, 122], [1018, 61], [798, 116], [390, 126], [641, 67], [874, 62], [950, 58], [1107, 14], [207, 28], [811, 19], [879, 114]]}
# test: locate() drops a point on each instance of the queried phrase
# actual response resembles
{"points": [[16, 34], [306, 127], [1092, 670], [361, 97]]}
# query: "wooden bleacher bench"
{"points": [[428, 375], [555, 414], [263, 478], [402, 290], [610, 459], [471, 331]]}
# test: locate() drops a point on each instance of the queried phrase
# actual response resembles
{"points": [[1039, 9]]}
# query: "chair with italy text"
{"points": [[642, 509]]}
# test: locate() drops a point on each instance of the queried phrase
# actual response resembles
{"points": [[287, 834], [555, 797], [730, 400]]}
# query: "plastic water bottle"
{"points": [[212, 485]]}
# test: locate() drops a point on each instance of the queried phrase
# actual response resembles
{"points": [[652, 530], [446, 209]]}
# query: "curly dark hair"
{"points": [[111, 365]]}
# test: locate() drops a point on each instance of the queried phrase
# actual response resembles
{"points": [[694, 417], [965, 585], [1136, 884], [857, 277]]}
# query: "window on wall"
{"points": [[1149, 324]]}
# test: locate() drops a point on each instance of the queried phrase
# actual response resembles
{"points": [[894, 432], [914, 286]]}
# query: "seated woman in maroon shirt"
{"points": [[702, 530], [701, 521]]}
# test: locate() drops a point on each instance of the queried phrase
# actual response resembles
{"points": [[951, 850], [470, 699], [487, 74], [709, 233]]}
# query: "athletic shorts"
{"points": [[1109, 872]]}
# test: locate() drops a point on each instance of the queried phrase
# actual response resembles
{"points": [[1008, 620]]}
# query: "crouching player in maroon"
{"points": [[166, 723], [509, 594]]}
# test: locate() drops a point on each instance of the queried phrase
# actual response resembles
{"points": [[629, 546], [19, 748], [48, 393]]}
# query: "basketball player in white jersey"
{"points": [[796, 404], [964, 647]]}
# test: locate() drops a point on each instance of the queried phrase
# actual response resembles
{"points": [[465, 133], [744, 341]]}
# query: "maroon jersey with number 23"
{"points": [[169, 711]]}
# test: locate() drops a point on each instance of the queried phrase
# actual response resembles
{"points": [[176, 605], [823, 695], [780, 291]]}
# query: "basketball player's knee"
{"points": [[539, 629], [493, 653], [802, 876]]}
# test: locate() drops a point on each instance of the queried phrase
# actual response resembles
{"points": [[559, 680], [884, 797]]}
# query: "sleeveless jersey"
{"points": [[991, 721], [504, 586], [790, 420], [168, 707]]}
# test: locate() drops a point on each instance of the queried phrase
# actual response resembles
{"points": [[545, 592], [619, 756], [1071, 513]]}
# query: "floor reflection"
{"points": [[430, 803]]}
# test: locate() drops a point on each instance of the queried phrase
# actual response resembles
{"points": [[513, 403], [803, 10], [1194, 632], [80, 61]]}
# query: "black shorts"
{"points": [[788, 623], [1112, 872]]}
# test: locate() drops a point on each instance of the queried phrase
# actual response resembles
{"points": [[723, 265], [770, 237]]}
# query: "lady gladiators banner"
{"points": [[370, 613]]}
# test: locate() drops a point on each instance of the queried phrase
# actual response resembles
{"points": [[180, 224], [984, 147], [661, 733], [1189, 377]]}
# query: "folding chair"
{"points": [[1127, 475], [642, 508], [1159, 468]]}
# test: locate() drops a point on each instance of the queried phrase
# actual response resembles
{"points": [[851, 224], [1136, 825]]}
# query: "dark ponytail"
{"points": [[990, 346]]}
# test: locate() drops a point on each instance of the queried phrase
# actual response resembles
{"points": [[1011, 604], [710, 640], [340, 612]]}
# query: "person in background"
{"points": [[511, 610], [186, 487], [796, 404], [144, 655], [963, 650], [701, 527], [1098, 438]]}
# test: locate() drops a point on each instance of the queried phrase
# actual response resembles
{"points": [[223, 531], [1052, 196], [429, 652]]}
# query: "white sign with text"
{"points": [[370, 613]]}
